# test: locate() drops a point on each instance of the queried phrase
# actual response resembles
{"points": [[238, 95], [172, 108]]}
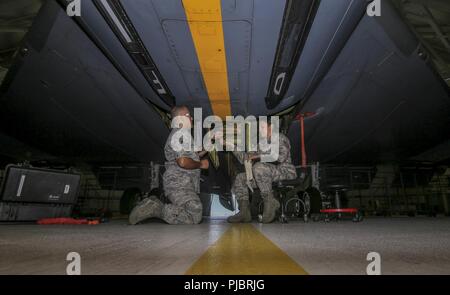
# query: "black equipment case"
{"points": [[29, 193]]}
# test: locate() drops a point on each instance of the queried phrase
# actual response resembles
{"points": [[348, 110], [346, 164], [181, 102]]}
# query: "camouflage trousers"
{"points": [[264, 174], [185, 206], [183, 210]]}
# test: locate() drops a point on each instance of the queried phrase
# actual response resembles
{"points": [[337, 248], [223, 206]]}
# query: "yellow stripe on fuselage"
{"points": [[205, 23]]}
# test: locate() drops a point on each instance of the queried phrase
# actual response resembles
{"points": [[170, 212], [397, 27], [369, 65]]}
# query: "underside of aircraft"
{"points": [[98, 87]]}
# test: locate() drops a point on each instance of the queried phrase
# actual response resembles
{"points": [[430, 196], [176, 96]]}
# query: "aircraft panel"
{"points": [[376, 103], [98, 27], [76, 104], [333, 24]]}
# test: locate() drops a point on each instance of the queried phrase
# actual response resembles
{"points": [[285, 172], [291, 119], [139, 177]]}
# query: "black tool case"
{"points": [[29, 193]]}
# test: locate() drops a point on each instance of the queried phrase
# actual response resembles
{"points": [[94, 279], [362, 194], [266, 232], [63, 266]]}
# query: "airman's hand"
{"points": [[204, 164], [252, 156]]}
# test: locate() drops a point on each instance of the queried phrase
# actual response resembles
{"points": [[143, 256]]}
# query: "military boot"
{"points": [[271, 205], [147, 208], [244, 214]]}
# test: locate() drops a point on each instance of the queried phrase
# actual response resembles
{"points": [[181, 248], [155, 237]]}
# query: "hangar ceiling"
{"points": [[430, 21], [16, 17]]}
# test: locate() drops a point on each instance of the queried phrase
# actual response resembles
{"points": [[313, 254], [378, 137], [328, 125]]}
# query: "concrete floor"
{"points": [[406, 246]]}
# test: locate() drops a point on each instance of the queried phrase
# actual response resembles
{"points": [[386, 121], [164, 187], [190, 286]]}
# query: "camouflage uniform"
{"points": [[265, 173], [181, 187]]}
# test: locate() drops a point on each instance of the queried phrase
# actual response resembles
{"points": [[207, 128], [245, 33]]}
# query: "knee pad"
{"points": [[195, 209]]}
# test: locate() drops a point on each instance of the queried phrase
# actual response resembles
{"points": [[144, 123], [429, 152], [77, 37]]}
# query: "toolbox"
{"points": [[29, 193]]}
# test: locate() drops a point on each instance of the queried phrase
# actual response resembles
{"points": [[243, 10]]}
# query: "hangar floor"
{"points": [[406, 245]]}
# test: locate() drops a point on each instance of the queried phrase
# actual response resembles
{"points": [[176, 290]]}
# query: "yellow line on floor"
{"points": [[243, 250], [205, 23]]}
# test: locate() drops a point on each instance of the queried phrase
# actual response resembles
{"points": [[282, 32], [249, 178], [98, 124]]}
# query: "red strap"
{"points": [[64, 220]]}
